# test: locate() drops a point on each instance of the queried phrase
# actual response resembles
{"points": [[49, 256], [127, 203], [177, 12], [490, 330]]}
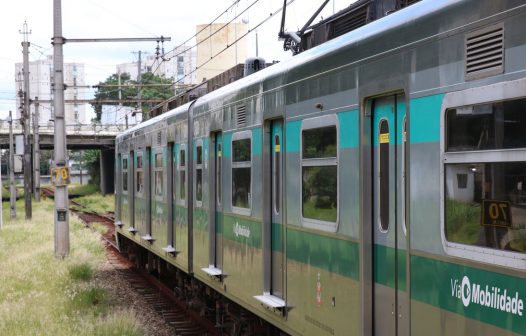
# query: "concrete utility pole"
{"points": [[61, 190], [139, 80], [12, 187], [36, 153], [27, 121], [61, 170]]}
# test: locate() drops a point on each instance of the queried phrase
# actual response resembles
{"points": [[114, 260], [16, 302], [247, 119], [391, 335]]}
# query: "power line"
{"points": [[207, 38], [237, 40]]}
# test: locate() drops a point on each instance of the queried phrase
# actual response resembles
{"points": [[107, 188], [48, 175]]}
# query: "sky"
{"points": [[133, 18]]}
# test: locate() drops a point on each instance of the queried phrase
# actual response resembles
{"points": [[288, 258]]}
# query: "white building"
{"points": [[178, 65], [212, 39], [119, 115], [40, 85]]}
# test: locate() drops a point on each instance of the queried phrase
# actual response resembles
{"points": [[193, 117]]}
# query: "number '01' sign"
{"points": [[496, 213], [60, 176]]}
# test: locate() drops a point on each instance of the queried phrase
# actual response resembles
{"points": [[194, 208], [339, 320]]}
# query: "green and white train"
{"points": [[374, 185]]}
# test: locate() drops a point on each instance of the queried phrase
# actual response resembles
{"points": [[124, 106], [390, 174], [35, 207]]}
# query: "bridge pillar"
{"points": [[107, 171]]}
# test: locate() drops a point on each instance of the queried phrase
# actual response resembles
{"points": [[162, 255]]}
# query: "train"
{"points": [[372, 185]]}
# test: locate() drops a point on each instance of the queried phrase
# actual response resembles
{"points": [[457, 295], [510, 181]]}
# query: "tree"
{"points": [[129, 90]]}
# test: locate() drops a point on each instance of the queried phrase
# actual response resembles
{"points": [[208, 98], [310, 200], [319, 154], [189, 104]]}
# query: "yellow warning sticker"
{"points": [[277, 148], [384, 138], [219, 154]]}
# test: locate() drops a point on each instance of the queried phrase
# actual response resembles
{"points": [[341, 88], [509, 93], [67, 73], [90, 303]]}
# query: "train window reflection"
{"points": [[241, 173], [182, 175], [383, 183], [199, 174], [497, 125], [486, 206], [125, 174], [277, 174], [320, 174], [319, 142], [140, 181], [159, 174]]}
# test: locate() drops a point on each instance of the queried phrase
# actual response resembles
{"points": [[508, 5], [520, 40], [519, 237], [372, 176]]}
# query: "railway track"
{"points": [[160, 297]]}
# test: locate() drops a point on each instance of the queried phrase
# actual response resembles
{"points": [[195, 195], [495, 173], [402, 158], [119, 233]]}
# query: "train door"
{"points": [[273, 295], [390, 303], [216, 227], [170, 197], [277, 228], [131, 190], [148, 199]]}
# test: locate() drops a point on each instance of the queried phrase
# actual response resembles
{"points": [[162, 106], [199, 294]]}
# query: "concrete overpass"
{"points": [[78, 136]]}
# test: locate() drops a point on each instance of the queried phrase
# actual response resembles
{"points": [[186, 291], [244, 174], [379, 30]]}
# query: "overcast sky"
{"points": [[134, 18]]}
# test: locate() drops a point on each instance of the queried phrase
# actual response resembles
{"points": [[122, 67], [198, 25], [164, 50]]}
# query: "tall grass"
{"points": [[42, 295], [97, 203]]}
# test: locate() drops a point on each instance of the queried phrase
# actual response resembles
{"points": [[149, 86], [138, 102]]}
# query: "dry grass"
{"points": [[39, 294]]}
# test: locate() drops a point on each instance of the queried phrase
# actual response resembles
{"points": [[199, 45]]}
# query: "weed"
{"points": [[82, 271]]}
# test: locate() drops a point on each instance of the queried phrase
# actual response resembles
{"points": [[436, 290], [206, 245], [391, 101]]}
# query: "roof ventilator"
{"points": [[485, 52], [241, 116]]}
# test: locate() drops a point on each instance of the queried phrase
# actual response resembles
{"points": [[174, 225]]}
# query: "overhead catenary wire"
{"points": [[163, 59], [235, 41]]}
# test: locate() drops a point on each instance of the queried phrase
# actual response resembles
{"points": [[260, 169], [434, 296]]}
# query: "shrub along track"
{"points": [[185, 322]]}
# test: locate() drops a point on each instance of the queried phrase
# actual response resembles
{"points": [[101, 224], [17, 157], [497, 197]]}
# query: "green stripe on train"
{"points": [[334, 255], [328, 253], [384, 266], [461, 289]]}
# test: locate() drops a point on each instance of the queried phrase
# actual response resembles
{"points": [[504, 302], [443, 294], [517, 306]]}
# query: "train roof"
{"points": [[169, 114]]}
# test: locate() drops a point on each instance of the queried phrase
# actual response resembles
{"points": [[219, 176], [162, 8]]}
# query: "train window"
{"points": [[125, 174], [320, 173], [241, 170], [383, 178], [159, 174], [140, 175], [405, 150], [497, 125], [219, 166], [277, 174], [485, 177], [199, 174], [182, 175], [487, 206]]}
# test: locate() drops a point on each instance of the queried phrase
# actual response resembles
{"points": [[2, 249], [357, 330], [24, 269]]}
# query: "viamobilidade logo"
{"points": [[487, 296], [241, 230]]}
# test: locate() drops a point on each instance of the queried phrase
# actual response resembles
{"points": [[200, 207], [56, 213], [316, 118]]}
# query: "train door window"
{"points": [[485, 178], [199, 173], [140, 174], [241, 171], [319, 161], [158, 174], [277, 174], [182, 175], [125, 174], [405, 150], [219, 167], [383, 176]]}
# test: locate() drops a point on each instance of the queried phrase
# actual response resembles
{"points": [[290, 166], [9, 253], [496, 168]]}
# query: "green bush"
{"points": [[82, 271]]}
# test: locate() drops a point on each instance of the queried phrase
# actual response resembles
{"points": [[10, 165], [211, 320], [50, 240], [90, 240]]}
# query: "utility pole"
{"points": [[36, 153], [139, 80], [12, 187], [61, 170], [27, 121], [61, 190]]}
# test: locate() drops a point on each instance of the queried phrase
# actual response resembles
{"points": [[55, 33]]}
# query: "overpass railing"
{"points": [[72, 129]]}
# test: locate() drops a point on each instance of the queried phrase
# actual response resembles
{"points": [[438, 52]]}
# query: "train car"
{"points": [[371, 185]]}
